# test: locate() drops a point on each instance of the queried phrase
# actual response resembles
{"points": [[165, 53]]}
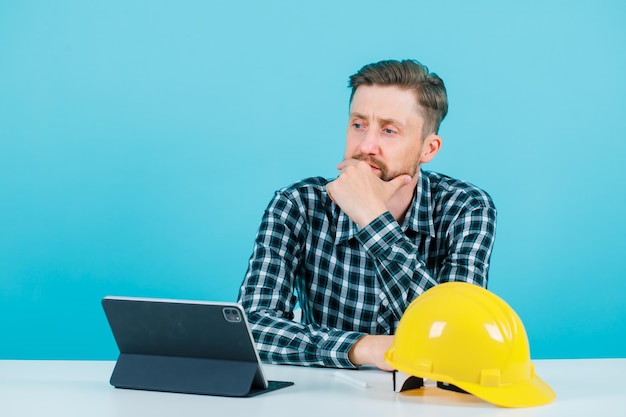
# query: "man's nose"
{"points": [[370, 143]]}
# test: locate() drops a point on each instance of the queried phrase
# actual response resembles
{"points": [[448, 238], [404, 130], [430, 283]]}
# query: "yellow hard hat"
{"points": [[461, 334]]}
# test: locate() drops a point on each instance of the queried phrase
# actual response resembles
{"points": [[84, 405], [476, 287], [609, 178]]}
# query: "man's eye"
{"points": [[389, 131], [357, 125]]}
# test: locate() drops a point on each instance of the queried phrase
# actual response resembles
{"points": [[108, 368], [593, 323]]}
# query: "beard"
{"points": [[410, 168]]}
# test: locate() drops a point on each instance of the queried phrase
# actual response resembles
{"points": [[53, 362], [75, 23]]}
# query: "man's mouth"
{"points": [[368, 159], [377, 167]]}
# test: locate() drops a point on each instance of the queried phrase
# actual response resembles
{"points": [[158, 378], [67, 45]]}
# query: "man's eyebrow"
{"points": [[383, 120], [390, 121], [355, 115]]}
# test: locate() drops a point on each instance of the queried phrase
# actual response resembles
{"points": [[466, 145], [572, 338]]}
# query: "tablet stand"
{"points": [[188, 375]]}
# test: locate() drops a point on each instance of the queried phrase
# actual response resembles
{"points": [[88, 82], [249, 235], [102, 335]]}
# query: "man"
{"points": [[354, 252]]}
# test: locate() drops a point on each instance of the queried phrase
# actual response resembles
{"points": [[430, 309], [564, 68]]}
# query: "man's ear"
{"points": [[430, 147]]}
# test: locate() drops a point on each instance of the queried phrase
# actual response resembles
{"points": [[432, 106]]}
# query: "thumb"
{"points": [[398, 182]]}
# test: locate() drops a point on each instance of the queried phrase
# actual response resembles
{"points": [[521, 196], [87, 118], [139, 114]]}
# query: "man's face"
{"points": [[385, 130]]}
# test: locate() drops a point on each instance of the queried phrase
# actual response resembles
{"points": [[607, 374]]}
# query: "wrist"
{"points": [[370, 350], [355, 354], [368, 216]]}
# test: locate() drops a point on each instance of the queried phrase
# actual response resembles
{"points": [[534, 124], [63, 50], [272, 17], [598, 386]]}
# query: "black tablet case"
{"points": [[184, 347]]}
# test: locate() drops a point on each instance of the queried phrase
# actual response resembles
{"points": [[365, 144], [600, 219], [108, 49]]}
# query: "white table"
{"points": [[593, 387]]}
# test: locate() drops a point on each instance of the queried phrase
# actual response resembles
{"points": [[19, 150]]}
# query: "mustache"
{"points": [[372, 161]]}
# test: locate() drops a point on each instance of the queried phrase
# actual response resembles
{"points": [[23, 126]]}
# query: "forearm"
{"points": [[403, 274], [283, 341], [268, 298]]}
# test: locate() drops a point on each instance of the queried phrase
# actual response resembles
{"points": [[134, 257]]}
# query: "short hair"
{"points": [[408, 74]]}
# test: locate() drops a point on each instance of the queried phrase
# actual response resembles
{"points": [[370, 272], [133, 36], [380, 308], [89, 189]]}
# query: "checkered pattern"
{"points": [[351, 281]]}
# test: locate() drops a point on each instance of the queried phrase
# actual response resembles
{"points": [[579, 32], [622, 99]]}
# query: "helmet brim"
{"points": [[531, 393]]}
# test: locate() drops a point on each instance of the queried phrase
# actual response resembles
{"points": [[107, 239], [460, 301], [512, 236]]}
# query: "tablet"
{"points": [[183, 346]]}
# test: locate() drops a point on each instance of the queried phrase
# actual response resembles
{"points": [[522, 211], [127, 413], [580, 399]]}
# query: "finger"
{"points": [[346, 163], [398, 182]]}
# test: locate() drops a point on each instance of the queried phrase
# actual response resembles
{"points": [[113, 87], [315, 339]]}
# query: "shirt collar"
{"points": [[421, 213], [418, 218]]}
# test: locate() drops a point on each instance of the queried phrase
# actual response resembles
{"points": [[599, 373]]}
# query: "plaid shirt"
{"points": [[351, 281]]}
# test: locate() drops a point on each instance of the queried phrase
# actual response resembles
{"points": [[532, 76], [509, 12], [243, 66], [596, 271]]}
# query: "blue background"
{"points": [[140, 142]]}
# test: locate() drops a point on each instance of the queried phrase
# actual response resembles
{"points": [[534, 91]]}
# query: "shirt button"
{"points": [[385, 302]]}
